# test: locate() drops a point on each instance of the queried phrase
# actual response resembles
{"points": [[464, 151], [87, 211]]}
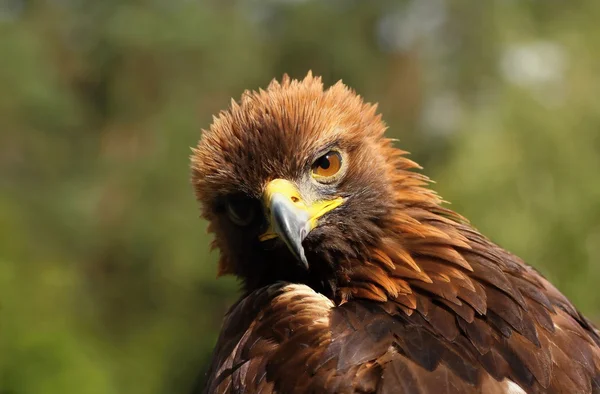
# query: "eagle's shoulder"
{"points": [[497, 323], [288, 338], [263, 333]]}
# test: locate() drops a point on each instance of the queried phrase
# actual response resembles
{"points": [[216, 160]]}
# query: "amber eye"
{"points": [[327, 165], [241, 211]]}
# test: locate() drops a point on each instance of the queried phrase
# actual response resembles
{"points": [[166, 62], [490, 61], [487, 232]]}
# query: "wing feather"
{"points": [[470, 327]]}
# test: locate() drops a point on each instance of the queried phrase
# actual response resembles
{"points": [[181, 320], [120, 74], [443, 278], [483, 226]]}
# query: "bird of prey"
{"points": [[356, 279]]}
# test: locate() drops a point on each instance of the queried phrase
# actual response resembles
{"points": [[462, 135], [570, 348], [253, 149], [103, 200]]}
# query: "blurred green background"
{"points": [[106, 281]]}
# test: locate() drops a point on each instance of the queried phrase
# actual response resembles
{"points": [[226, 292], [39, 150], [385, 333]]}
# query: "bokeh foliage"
{"points": [[106, 281]]}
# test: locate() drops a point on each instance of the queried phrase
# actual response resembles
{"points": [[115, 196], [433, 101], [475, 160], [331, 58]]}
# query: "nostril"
{"points": [[295, 199]]}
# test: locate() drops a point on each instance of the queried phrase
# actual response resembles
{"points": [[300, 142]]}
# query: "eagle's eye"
{"points": [[327, 166], [241, 210]]}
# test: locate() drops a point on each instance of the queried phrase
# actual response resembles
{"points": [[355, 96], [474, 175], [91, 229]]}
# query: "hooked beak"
{"points": [[290, 218]]}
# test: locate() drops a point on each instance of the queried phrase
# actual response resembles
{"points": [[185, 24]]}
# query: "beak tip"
{"points": [[304, 261]]}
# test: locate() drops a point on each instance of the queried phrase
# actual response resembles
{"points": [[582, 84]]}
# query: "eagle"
{"points": [[355, 277]]}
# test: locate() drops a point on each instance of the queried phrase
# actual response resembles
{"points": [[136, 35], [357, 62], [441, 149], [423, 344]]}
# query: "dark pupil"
{"points": [[324, 162], [241, 211]]}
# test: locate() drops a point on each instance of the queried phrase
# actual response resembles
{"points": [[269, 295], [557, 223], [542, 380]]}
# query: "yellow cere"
{"points": [[289, 190]]}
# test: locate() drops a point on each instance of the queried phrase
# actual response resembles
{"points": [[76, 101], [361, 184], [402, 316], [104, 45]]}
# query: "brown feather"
{"points": [[402, 294]]}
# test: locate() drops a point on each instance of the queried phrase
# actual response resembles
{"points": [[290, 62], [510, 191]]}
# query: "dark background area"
{"points": [[106, 281]]}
